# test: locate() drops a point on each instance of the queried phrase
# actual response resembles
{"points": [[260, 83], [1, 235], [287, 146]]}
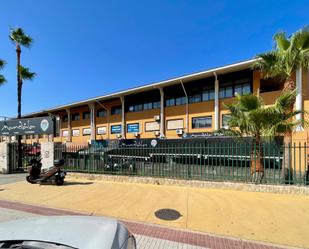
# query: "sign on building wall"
{"points": [[174, 124], [116, 129], [152, 126], [13, 127], [101, 130], [133, 128], [65, 133]]}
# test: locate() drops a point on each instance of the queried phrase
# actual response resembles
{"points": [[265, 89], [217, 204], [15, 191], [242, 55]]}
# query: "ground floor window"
{"points": [[201, 122], [225, 120], [86, 131], [133, 127], [115, 129]]}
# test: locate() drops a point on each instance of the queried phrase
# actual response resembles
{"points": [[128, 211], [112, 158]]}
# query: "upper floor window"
{"points": [[65, 118], [75, 116], [229, 89], [170, 102], [86, 115], [226, 91], [195, 98], [101, 113], [242, 87], [116, 110], [156, 105], [208, 95]]}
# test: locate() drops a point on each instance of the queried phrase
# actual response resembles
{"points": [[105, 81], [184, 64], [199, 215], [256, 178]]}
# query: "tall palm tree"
{"points": [[289, 54], [19, 38], [2, 79], [251, 118]]}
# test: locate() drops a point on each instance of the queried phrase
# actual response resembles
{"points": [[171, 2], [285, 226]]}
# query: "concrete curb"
{"points": [[278, 189]]}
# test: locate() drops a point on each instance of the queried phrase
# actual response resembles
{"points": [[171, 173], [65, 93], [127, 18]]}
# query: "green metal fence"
{"points": [[216, 161]]}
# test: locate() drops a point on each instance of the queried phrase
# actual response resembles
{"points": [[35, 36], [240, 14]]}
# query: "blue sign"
{"points": [[132, 128], [116, 129]]}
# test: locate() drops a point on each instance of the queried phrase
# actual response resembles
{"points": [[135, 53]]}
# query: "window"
{"points": [[101, 130], [101, 113], [156, 105], [133, 128], [115, 129], [202, 122], [181, 101], [75, 116], [65, 133], [170, 102], [208, 95], [86, 131], [116, 110], [148, 106], [152, 126], [75, 133], [174, 124], [225, 120], [65, 118], [242, 87], [226, 91], [195, 98], [86, 115]]}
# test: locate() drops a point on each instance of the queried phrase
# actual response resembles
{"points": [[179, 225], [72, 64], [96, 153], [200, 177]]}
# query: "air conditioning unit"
{"points": [[118, 135], [157, 133], [156, 118], [179, 131], [136, 134]]}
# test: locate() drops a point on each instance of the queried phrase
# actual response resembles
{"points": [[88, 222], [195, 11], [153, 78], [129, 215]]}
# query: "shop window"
{"points": [[116, 110], [75, 116], [202, 122], [86, 115], [101, 113]]}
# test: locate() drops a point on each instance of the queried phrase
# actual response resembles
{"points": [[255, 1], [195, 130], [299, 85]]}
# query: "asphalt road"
{"points": [[11, 178]]}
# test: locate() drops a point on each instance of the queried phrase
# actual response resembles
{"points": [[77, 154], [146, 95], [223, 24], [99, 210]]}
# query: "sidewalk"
{"points": [[276, 218]]}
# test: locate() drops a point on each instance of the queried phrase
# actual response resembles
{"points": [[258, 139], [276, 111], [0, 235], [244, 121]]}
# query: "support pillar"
{"points": [[299, 98], [216, 108], [123, 120], [92, 121], [162, 118], [69, 139]]}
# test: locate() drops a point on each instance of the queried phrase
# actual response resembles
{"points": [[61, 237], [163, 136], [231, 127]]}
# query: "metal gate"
{"points": [[28, 151]]}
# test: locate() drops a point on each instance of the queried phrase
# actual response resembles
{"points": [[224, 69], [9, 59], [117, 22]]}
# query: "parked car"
{"points": [[63, 232]]}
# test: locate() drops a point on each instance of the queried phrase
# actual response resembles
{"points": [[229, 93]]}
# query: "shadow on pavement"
{"points": [[77, 183]]}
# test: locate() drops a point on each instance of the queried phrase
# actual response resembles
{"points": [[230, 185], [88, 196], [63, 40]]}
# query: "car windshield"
{"points": [[25, 244]]}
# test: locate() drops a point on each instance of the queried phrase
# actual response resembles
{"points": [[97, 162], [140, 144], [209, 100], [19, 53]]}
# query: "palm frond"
{"points": [[18, 36], [2, 79], [285, 100], [2, 63], [281, 41], [26, 74]]}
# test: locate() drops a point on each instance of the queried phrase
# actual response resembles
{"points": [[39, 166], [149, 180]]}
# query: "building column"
{"points": [[216, 108], [299, 98], [123, 120], [92, 121], [69, 139], [162, 118]]}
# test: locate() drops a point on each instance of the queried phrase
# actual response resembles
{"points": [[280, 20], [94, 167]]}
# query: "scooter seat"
{"points": [[58, 162]]}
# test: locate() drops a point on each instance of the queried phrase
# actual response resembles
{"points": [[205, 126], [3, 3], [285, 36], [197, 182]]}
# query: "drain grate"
{"points": [[167, 214]]}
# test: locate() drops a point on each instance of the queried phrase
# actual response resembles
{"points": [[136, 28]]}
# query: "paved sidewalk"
{"points": [[148, 236], [275, 218]]}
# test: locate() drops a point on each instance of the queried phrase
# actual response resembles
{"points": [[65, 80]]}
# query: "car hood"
{"points": [[75, 231]]}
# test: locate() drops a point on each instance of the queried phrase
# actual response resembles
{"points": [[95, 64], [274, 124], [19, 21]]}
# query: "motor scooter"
{"points": [[52, 175]]}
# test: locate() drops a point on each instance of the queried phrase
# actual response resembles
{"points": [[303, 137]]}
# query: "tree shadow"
{"points": [[76, 183]]}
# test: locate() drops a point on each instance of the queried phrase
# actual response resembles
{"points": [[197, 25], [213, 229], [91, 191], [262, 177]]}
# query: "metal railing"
{"points": [[224, 161]]}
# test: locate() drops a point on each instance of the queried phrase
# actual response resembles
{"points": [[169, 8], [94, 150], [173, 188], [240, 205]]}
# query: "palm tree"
{"points": [[289, 54], [19, 38], [2, 79], [251, 118]]}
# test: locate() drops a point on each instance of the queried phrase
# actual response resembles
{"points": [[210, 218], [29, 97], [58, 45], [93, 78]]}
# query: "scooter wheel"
{"points": [[59, 181], [30, 179]]}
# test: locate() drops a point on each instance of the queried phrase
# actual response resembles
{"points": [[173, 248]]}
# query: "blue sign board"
{"points": [[116, 129], [132, 128]]}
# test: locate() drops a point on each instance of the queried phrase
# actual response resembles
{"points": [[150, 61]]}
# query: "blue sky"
{"points": [[88, 48]]}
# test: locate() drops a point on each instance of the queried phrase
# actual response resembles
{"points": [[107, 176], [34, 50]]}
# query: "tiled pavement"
{"points": [[152, 236]]}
